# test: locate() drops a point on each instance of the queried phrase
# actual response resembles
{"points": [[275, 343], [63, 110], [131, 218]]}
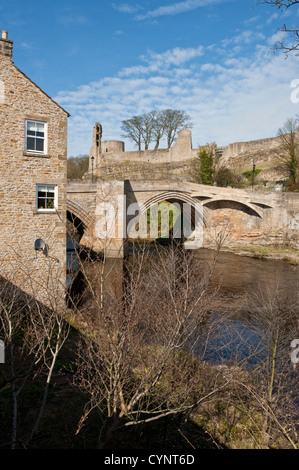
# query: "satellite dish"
{"points": [[40, 245]]}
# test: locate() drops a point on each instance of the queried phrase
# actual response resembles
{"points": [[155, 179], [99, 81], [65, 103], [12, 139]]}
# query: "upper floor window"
{"points": [[36, 137]]}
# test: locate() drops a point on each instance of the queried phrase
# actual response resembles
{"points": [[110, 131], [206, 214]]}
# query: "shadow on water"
{"points": [[237, 278]]}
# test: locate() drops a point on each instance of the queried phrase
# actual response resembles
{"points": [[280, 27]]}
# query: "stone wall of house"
{"points": [[20, 173]]}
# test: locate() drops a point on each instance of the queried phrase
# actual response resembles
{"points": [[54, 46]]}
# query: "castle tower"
{"points": [[113, 146], [100, 148], [95, 151]]}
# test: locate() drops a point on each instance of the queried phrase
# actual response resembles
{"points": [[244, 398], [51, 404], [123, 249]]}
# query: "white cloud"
{"points": [[278, 36], [251, 20], [70, 19], [272, 18], [176, 8], [230, 96], [27, 46], [176, 56], [126, 8], [246, 37], [162, 61]]}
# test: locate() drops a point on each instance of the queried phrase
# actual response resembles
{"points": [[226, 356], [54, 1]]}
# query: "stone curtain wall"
{"points": [[178, 161], [240, 157], [115, 162], [20, 223], [254, 146]]}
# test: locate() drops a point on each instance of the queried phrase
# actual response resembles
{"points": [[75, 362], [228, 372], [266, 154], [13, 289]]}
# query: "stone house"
{"points": [[33, 159]]}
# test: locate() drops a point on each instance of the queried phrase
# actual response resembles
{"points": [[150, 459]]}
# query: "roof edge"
{"points": [[48, 96]]}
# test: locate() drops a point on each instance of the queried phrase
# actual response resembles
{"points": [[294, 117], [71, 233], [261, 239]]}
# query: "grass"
{"points": [[274, 252], [265, 250], [233, 427]]}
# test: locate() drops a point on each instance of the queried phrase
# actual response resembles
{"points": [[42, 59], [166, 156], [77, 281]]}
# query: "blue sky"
{"points": [[105, 60]]}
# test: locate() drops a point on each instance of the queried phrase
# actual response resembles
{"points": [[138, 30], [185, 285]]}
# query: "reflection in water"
{"points": [[238, 276], [232, 341], [237, 279]]}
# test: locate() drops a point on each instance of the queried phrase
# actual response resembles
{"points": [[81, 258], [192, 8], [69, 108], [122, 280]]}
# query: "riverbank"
{"points": [[266, 252], [289, 255]]}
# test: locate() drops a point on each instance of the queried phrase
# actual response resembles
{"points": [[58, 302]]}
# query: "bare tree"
{"points": [[272, 383], [289, 154], [293, 33], [174, 121], [33, 327], [154, 125], [159, 128], [77, 166], [133, 130], [33, 336], [138, 359], [149, 123]]}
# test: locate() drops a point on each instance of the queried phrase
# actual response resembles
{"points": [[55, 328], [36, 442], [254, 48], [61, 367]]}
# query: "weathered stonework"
{"points": [[237, 148], [108, 159], [20, 172], [147, 177], [247, 218], [264, 153]]}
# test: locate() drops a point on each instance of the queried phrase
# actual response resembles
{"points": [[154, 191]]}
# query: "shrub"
{"points": [[224, 175], [292, 187], [206, 166], [248, 174]]}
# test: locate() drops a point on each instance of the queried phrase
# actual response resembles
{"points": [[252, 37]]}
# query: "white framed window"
{"points": [[36, 136], [46, 197]]}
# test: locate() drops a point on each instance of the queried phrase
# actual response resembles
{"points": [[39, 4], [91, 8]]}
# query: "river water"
{"points": [[239, 275], [238, 279], [241, 279]]}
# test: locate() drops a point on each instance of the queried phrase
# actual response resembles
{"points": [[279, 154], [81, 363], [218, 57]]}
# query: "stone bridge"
{"points": [[104, 211], [120, 186]]}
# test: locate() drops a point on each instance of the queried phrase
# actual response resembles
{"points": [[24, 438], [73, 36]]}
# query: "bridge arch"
{"points": [[189, 226], [79, 217], [230, 203], [180, 197]]}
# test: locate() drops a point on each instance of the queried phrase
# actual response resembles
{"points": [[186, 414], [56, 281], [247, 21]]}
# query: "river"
{"points": [[238, 279], [242, 279], [238, 275]]}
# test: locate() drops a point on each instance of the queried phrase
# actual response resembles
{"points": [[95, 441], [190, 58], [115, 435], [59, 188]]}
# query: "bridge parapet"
{"points": [[251, 217]]}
